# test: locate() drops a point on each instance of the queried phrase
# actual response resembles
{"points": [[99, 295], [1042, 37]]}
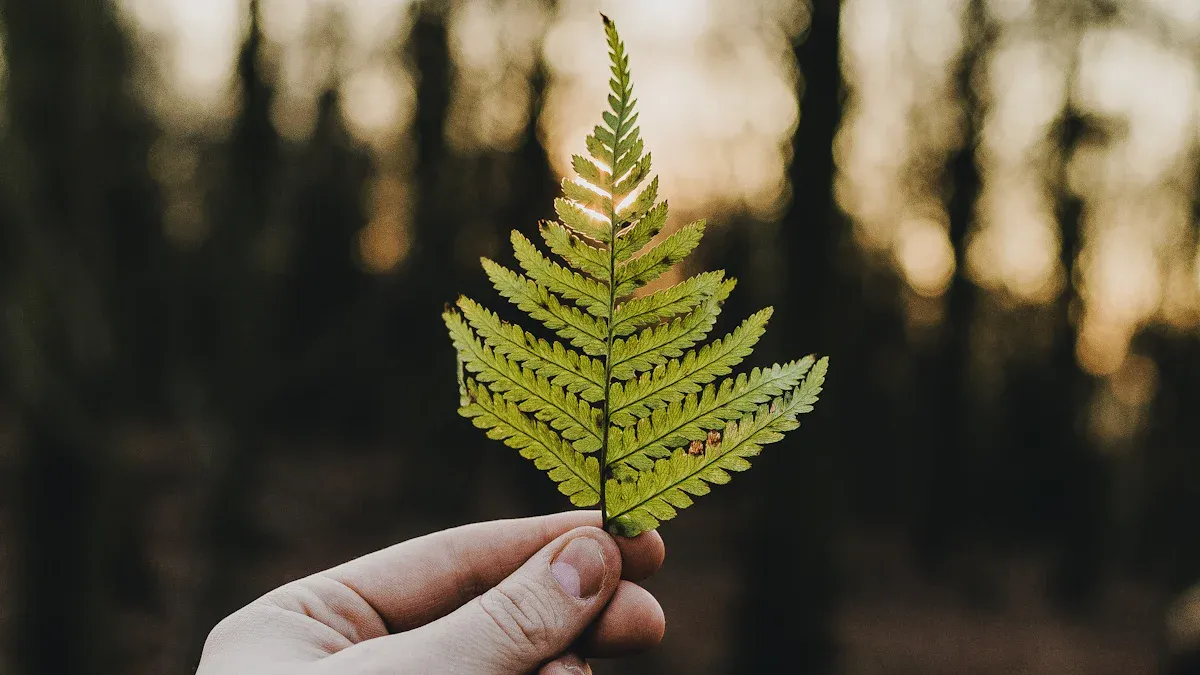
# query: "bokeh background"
{"points": [[228, 227]]}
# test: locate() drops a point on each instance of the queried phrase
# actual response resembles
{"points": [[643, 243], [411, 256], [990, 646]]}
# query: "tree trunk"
{"points": [[949, 410], [791, 569]]}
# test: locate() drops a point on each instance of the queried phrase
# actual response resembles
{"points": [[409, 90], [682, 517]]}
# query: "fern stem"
{"points": [[608, 364], [621, 113], [612, 301]]}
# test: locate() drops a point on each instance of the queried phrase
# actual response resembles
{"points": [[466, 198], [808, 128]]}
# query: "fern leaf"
{"points": [[597, 150], [576, 252], [666, 303], [590, 171], [656, 345], [583, 331], [626, 412], [587, 293], [640, 206], [632, 180], [587, 223], [678, 378], [636, 237], [577, 475], [633, 153], [648, 266], [587, 196], [565, 412], [657, 495], [693, 417], [563, 367]]}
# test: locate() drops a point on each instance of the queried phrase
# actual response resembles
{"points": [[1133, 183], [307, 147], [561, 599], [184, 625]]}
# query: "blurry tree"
{"points": [[432, 276], [532, 185], [1167, 551], [277, 311], [329, 332], [953, 454], [1072, 482], [228, 326], [1071, 468], [466, 204], [81, 339], [790, 563], [431, 266], [527, 198]]}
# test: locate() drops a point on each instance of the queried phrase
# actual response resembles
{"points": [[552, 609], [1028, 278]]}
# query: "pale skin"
{"points": [[507, 597]]}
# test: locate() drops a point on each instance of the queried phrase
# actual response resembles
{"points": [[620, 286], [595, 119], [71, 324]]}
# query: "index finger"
{"points": [[423, 579]]}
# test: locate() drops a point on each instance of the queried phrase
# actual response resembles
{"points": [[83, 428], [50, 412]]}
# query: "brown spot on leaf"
{"points": [[696, 448], [714, 439]]}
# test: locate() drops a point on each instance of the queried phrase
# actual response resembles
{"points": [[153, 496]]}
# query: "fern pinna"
{"points": [[627, 414]]}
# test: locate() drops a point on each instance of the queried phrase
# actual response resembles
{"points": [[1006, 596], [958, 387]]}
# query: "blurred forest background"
{"points": [[228, 227]]}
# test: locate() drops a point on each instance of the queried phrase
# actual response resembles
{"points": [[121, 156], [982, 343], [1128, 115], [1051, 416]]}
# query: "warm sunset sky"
{"points": [[716, 85]]}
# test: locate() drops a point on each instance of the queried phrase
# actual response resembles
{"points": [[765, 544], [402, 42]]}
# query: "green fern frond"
{"points": [[584, 222], [656, 495], [691, 418], [577, 475], [575, 251], [681, 298], [583, 331], [678, 378], [576, 372], [590, 295], [656, 345], [637, 237], [570, 415], [626, 412], [648, 266]]}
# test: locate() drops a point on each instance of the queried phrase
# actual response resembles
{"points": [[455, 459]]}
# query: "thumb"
{"points": [[538, 611], [530, 618]]}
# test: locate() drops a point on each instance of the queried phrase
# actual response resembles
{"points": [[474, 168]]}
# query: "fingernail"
{"points": [[579, 567], [571, 665]]}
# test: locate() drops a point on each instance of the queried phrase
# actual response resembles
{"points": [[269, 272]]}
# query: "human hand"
{"points": [[498, 598]]}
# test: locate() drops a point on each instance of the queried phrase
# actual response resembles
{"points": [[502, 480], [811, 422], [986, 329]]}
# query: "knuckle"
{"points": [[524, 614]]}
